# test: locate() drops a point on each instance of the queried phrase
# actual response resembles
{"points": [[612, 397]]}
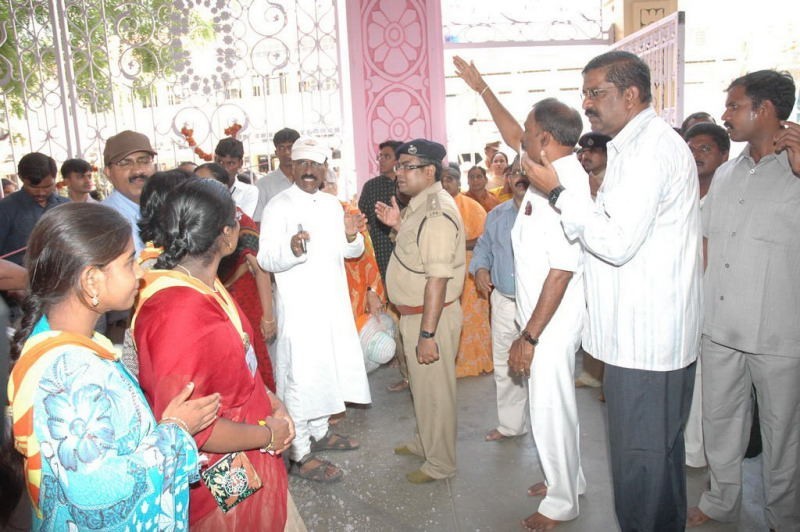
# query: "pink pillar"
{"points": [[397, 75]]}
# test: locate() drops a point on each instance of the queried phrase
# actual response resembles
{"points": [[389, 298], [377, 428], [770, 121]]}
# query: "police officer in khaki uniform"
{"points": [[424, 280]]}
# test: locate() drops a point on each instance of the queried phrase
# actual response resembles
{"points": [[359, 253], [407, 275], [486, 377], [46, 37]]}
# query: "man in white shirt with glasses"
{"points": [[643, 286]]}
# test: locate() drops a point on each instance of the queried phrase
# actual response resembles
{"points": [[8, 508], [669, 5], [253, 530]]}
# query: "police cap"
{"points": [[423, 148], [593, 140]]}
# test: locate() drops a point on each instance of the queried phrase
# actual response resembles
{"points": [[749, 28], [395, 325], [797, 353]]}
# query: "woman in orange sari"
{"points": [[475, 351], [363, 276], [477, 180]]}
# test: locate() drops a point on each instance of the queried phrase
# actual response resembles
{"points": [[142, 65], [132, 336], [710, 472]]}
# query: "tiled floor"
{"points": [[487, 494], [489, 491]]}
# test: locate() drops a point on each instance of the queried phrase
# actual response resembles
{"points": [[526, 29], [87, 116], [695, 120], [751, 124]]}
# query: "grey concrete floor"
{"points": [[489, 491]]}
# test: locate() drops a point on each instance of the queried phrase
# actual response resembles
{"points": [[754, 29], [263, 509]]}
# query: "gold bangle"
{"points": [[268, 322], [271, 445], [176, 421], [485, 88]]}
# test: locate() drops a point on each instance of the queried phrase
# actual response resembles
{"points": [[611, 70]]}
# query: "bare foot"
{"points": [[538, 522], [696, 517], [336, 418], [495, 435], [398, 386], [537, 490]]}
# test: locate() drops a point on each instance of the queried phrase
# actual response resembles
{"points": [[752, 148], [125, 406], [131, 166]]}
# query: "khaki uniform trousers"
{"points": [[433, 390], [399, 352]]}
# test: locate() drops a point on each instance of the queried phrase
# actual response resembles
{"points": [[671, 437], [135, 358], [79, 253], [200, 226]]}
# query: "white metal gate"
{"points": [[661, 46], [74, 72]]}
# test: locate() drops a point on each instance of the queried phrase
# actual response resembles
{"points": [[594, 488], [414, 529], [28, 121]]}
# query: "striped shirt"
{"points": [[643, 272]]}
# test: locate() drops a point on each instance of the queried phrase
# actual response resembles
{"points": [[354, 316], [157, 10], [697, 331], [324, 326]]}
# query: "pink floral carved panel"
{"points": [[397, 75]]}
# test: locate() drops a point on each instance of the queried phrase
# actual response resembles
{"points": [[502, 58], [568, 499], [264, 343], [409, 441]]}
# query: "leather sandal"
{"points": [[324, 472], [333, 442]]}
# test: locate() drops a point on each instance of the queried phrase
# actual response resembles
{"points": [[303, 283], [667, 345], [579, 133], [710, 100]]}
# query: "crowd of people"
{"points": [[187, 343]]}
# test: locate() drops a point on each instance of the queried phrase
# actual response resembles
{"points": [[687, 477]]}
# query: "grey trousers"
{"points": [[728, 375], [647, 413]]}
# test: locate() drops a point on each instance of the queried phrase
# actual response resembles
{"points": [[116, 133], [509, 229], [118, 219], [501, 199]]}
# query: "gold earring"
{"points": [[95, 300]]}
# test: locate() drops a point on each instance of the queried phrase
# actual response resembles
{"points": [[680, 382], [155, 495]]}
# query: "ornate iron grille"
{"points": [[74, 72]]}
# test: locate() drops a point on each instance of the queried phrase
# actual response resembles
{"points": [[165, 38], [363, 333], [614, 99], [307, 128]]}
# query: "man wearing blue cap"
{"points": [[424, 280]]}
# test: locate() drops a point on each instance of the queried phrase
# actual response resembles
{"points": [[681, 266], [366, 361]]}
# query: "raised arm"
{"points": [[509, 128]]}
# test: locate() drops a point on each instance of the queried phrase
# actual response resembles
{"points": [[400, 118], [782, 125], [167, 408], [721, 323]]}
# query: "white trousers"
{"points": [[304, 429], [693, 435], [554, 423], [511, 393]]}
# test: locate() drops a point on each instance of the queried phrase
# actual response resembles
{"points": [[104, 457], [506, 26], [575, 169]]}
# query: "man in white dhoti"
{"points": [[319, 366]]}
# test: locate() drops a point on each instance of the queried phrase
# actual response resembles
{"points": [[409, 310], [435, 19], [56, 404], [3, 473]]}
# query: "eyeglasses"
{"points": [[594, 94], [139, 161], [305, 162], [408, 167], [702, 148]]}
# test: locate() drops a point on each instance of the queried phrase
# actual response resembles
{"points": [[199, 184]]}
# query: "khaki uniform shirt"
{"points": [[752, 282], [429, 243]]}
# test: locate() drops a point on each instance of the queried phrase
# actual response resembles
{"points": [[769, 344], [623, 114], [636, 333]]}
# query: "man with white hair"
{"points": [[319, 365]]}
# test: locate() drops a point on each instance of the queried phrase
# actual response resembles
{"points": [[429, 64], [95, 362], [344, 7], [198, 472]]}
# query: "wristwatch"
{"points": [[426, 334], [554, 194], [528, 338]]}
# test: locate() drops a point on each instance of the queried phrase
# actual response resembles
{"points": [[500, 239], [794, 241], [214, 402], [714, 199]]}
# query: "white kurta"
{"points": [[540, 245], [318, 360]]}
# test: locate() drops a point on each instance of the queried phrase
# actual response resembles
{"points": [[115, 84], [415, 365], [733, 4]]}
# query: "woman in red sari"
{"points": [[187, 325], [248, 284]]}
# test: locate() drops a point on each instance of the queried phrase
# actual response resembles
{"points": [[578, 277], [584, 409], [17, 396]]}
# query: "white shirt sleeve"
{"points": [[274, 244], [564, 252], [355, 248], [615, 226]]}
